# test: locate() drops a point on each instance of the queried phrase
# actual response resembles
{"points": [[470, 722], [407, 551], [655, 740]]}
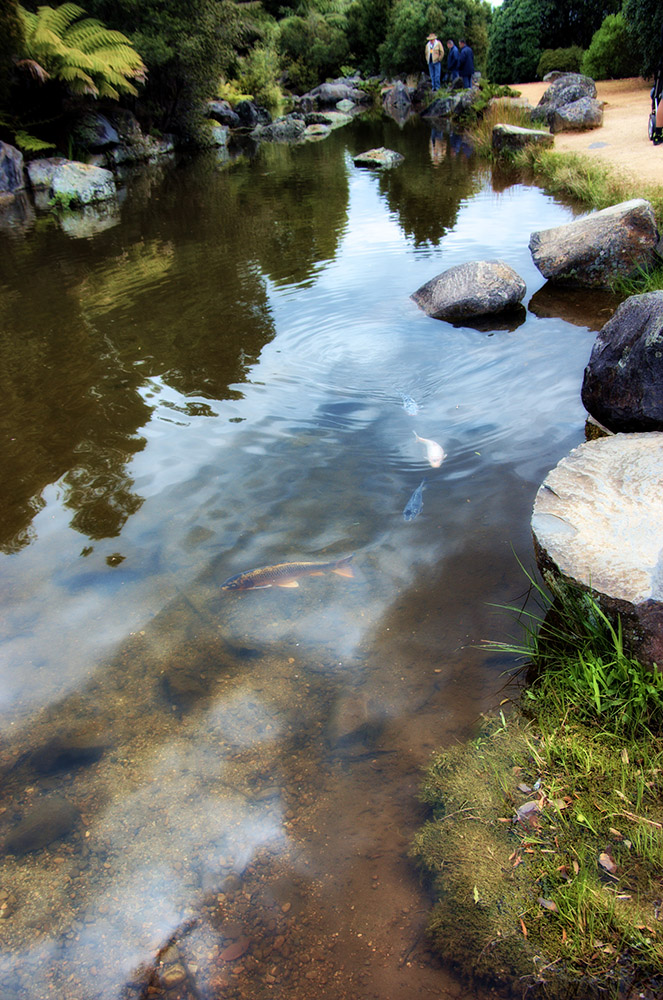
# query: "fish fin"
{"points": [[318, 573], [345, 571], [288, 583]]}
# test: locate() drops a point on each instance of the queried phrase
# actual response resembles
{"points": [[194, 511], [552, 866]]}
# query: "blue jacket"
{"points": [[453, 59], [466, 62]]}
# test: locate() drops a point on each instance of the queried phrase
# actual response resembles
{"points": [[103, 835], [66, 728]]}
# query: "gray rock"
{"points": [[94, 131], [41, 172], [581, 115], [508, 138], [379, 159], [331, 93], [219, 134], [82, 183], [250, 114], [592, 251], [565, 90], [467, 291], [553, 75], [442, 107], [11, 169], [623, 383], [312, 133], [345, 106], [397, 101], [222, 112], [288, 129], [48, 819], [598, 523]]}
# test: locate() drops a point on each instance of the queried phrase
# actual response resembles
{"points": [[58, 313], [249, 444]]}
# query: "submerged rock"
{"points": [[380, 158], [598, 524], [467, 291], [623, 382], [591, 252], [48, 819]]}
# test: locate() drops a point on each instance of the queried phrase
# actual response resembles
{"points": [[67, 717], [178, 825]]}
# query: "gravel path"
{"points": [[622, 140]]}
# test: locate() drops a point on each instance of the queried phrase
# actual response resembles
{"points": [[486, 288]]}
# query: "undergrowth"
{"points": [[545, 846]]}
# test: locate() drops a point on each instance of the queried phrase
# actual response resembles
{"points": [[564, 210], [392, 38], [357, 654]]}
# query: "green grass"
{"points": [[561, 898]]}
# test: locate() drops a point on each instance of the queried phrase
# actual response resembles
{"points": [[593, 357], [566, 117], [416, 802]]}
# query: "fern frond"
{"points": [[30, 143], [35, 70], [79, 82]]}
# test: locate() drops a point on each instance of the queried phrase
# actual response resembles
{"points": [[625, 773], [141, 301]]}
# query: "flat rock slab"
{"points": [[467, 291], [507, 138], [598, 522], [594, 250], [379, 159]]}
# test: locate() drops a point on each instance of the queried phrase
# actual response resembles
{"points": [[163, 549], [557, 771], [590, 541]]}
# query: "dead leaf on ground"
{"points": [[524, 929], [548, 904], [607, 863]]}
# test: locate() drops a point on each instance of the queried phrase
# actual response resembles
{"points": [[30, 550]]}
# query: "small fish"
{"points": [[409, 405], [286, 574], [415, 504], [435, 453]]}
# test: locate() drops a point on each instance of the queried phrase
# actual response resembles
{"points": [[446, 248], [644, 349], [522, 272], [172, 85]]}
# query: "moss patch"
{"points": [[546, 855]]}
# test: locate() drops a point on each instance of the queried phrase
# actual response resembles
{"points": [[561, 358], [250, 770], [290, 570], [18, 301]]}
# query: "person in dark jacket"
{"points": [[465, 63], [453, 57]]}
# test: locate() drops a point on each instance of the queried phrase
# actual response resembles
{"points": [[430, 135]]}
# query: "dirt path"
{"points": [[622, 140]]}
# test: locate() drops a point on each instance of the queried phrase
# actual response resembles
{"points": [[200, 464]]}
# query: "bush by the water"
{"points": [[565, 60]]}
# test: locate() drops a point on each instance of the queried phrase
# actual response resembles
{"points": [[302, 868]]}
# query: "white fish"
{"points": [[409, 405], [435, 453]]}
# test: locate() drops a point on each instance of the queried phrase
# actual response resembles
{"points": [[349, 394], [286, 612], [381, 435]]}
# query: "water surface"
{"points": [[208, 380]]}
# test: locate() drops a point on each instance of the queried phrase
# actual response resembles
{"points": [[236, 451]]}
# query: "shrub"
{"points": [[258, 75], [311, 48], [565, 60], [612, 53]]}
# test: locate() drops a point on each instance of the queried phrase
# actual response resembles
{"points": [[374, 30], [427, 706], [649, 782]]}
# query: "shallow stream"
{"points": [[212, 793]]}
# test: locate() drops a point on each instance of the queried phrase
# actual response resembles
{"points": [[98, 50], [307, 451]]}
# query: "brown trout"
{"points": [[286, 574]]}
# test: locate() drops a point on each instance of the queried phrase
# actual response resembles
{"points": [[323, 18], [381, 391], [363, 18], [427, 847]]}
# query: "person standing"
{"points": [[465, 63], [452, 61], [433, 54]]}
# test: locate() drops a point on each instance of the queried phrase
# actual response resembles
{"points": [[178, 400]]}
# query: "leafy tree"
{"points": [[411, 21], [612, 54], [78, 51], [368, 21], [522, 29], [645, 22], [312, 48], [10, 33], [187, 45]]}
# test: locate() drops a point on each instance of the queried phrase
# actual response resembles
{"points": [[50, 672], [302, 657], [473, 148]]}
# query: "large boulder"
{"points": [[95, 132], [251, 114], [11, 169], [397, 102], [594, 250], [509, 138], [81, 184], [581, 115], [467, 291], [565, 90], [328, 94], [222, 112], [598, 524], [288, 129], [441, 107], [623, 383]]}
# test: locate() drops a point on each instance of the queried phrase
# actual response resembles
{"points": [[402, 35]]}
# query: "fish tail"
{"points": [[343, 567]]}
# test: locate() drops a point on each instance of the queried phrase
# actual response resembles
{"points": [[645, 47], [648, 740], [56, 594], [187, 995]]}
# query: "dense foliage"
{"points": [[564, 60], [645, 22], [522, 29], [612, 53]]}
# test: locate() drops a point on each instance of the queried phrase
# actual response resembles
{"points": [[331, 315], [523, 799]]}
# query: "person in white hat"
{"points": [[434, 53]]}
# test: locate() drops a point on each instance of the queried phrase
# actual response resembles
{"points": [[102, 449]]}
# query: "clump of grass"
{"points": [[545, 845], [644, 280]]}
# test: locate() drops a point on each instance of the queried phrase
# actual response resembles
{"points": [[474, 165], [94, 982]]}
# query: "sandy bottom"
{"points": [[622, 140]]}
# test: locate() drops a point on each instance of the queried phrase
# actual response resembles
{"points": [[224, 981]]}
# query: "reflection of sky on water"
{"points": [[314, 457]]}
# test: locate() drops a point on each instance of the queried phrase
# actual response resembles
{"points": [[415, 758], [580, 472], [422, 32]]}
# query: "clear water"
{"points": [[206, 381]]}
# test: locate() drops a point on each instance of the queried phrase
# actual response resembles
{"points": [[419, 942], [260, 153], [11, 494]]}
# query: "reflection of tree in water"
{"points": [[174, 292], [426, 200]]}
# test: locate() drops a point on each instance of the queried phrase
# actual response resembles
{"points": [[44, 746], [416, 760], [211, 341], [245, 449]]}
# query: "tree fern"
{"points": [[79, 51]]}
